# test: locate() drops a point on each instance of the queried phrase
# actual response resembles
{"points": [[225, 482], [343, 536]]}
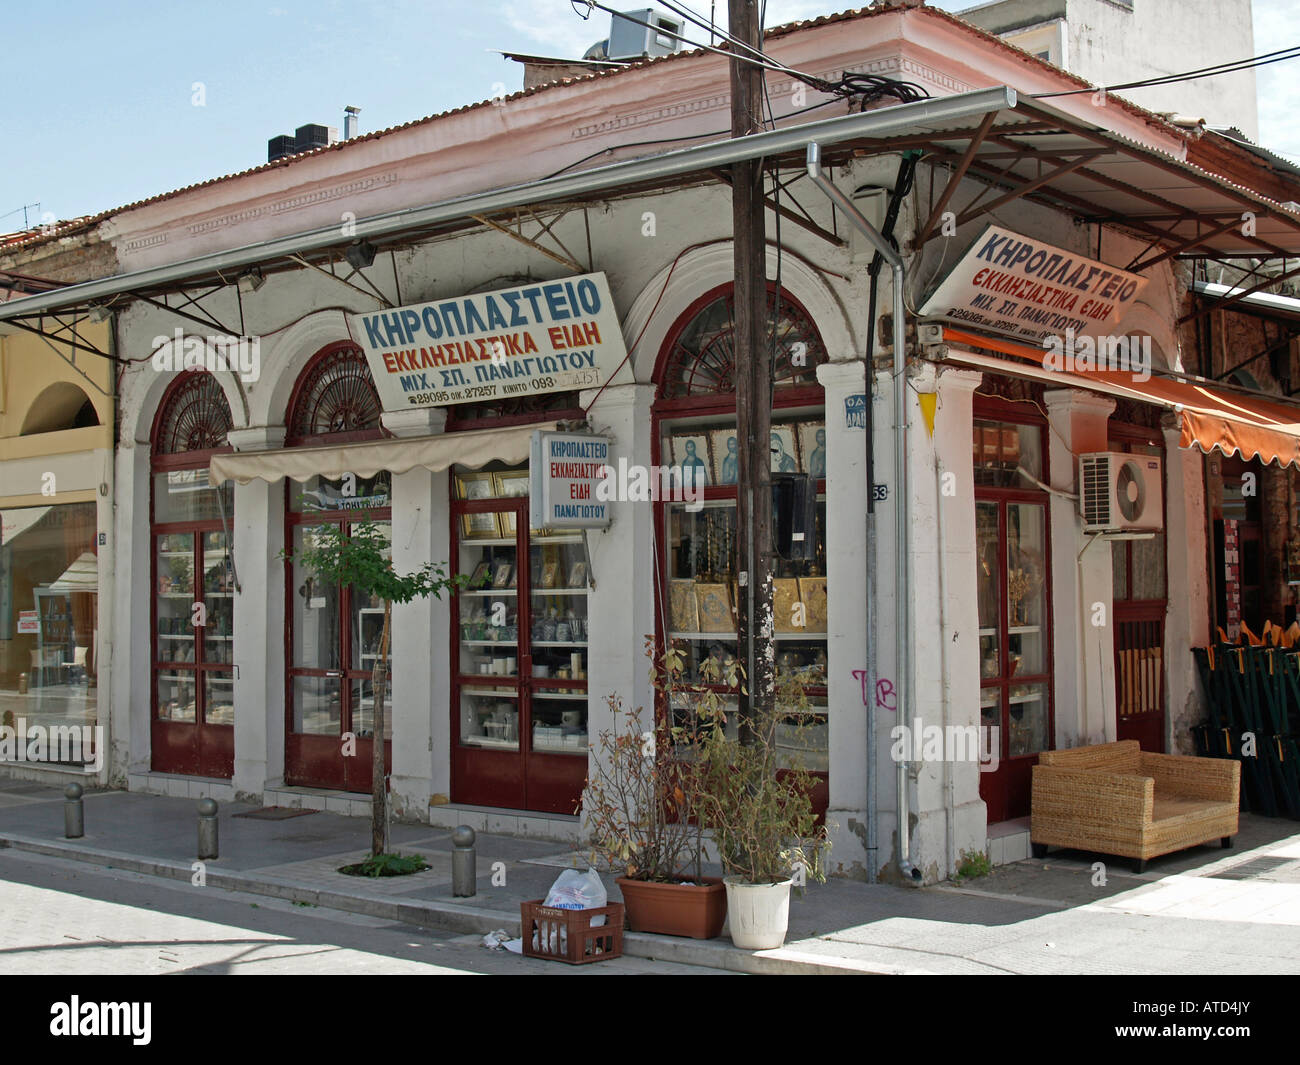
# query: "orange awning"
{"points": [[1209, 417]]}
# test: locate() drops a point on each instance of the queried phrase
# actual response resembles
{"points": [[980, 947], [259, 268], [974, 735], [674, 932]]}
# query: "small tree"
{"points": [[360, 559]]}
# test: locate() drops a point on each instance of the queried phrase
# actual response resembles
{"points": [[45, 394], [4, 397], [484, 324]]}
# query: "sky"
{"points": [[109, 103]]}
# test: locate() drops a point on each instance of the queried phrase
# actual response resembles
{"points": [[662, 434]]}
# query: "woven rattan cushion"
{"points": [[1121, 757]]}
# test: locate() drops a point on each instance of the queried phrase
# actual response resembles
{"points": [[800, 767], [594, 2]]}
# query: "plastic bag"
{"points": [[573, 890]]}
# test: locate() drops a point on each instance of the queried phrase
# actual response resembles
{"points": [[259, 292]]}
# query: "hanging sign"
{"points": [[553, 336], [1010, 284], [29, 622], [566, 486]]}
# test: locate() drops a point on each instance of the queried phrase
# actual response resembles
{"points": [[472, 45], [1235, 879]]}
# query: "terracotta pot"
{"points": [[675, 909]]}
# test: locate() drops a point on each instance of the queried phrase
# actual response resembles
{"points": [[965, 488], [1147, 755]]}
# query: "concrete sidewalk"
{"points": [[1201, 911]]}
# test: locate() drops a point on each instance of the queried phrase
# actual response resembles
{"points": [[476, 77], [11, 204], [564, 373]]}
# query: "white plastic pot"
{"points": [[758, 914]]}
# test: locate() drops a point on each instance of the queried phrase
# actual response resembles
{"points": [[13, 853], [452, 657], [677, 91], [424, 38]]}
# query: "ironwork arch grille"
{"points": [[334, 399], [192, 421], [697, 364]]}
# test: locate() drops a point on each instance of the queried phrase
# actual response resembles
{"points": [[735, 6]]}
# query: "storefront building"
{"points": [[56, 477], [242, 675]]}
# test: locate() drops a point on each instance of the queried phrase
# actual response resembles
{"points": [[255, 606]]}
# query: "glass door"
{"points": [[520, 699], [1012, 574], [193, 629], [334, 643]]}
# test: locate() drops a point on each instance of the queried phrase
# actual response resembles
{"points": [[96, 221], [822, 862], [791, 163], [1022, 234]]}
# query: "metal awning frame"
{"points": [[994, 119]]}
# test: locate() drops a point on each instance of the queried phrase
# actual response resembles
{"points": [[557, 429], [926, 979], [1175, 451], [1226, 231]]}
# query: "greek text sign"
{"points": [[566, 469], [1013, 285], [855, 411], [549, 337]]}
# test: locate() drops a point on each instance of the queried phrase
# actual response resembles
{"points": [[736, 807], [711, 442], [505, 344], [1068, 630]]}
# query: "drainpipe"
{"points": [[902, 510]]}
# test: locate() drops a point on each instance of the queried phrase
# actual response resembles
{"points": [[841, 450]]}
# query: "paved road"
{"points": [[76, 918]]}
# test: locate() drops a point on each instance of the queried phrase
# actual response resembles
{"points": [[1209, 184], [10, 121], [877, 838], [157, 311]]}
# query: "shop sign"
{"points": [[554, 336], [29, 622], [565, 472], [1013, 285]]}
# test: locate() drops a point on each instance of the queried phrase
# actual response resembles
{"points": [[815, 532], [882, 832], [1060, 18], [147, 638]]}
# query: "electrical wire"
{"points": [[1191, 75], [677, 140], [850, 85]]}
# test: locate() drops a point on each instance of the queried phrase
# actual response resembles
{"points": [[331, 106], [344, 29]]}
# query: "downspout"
{"points": [[902, 510]]}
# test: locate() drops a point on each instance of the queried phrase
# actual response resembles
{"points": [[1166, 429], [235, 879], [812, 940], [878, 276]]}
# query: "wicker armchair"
{"points": [[1115, 798]]}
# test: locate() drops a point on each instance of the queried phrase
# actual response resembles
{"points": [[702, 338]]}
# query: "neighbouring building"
{"points": [[56, 513], [1117, 42], [380, 325]]}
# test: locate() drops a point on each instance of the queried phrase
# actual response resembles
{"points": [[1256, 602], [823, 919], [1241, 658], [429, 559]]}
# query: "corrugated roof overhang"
{"points": [[1026, 148], [1209, 418]]}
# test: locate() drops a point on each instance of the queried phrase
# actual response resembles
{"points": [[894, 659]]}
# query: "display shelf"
{"points": [[493, 742], [555, 748], [577, 695], [722, 637], [194, 597], [536, 591], [559, 643], [490, 643], [489, 592], [496, 693]]}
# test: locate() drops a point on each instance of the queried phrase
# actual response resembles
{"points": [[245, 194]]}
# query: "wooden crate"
{"points": [[568, 935]]}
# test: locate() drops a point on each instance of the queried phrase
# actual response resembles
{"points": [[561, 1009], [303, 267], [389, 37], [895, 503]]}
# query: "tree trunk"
{"points": [[378, 783]]}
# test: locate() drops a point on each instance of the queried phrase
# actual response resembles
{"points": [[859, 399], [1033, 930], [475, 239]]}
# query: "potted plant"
{"points": [[641, 805], [761, 816]]}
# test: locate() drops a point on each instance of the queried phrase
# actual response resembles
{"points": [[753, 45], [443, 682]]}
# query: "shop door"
{"points": [[1140, 601], [194, 707], [334, 641], [519, 706], [1013, 578], [192, 725]]}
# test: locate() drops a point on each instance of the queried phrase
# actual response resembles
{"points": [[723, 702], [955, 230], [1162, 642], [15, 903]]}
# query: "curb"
{"points": [[451, 917]]}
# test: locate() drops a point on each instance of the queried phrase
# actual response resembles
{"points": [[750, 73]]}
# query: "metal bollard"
{"points": [[207, 828], [464, 863], [74, 816]]}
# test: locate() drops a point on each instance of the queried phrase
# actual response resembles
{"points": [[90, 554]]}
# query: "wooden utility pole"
{"points": [[753, 361]]}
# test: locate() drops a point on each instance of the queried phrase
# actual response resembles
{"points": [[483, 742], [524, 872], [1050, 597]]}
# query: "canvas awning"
{"points": [[81, 576], [365, 459], [1209, 418]]}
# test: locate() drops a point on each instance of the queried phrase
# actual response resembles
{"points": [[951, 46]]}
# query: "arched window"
{"points": [[699, 358], [193, 584], [333, 630], [696, 436], [194, 416], [335, 399], [62, 405]]}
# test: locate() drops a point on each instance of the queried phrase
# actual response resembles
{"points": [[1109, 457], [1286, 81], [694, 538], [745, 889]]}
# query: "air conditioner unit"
{"points": [[630, 39], [1120, 492]]}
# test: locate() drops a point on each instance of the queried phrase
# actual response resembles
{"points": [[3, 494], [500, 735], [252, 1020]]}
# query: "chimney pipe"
{"points": [[350, 122]]}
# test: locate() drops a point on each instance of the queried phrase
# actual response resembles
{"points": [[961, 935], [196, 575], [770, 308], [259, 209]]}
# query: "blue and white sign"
{"points": [[855, 411], [554, 336], [565, 470]]}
